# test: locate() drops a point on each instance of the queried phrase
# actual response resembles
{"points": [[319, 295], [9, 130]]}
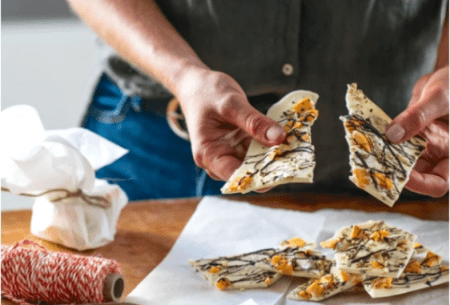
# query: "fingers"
{"points": [[433, 183], [428, 103], [223, 167], [260, 127]]}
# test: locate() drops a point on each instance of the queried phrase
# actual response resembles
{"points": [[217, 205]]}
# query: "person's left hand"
{"points": [[428, 116]]}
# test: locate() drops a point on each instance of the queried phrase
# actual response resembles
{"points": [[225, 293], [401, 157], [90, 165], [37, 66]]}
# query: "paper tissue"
{"points": [[72, 207]]}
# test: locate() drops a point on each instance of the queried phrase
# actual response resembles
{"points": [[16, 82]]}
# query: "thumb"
{"points": [[260, 127], [430, 105]]}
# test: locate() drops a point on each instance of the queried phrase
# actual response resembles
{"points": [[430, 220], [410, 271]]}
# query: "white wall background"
{"points": [[48, 57]]}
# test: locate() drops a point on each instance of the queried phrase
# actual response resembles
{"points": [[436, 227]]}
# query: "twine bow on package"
{"points": [[72, 207]]}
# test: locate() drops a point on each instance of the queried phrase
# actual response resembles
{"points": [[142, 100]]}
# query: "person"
{"points": [[226, 62]]}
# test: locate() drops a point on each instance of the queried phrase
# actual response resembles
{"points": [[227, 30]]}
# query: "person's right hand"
{"points": [[221, 122]]}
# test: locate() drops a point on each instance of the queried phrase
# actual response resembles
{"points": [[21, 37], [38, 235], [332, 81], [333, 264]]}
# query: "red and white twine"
{"points": [[33, 274]]}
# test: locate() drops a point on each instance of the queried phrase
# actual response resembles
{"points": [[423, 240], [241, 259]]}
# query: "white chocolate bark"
{"points": [[297, 261], [378, 250], [289, 162], [412, 279], [379, 167], [327, 286], [238, 271]]}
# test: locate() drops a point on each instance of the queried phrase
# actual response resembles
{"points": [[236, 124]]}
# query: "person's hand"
{"points": [[428, 116], [221, 122]]}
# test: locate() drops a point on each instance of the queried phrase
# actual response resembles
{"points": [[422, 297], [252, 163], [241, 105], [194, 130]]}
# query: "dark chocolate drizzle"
{"points": [[387, 155], [230, 265], [263, 163], [428, 277], [358, 251]]}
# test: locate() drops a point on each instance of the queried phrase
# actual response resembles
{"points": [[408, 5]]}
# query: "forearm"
{"points": [[141, 34]]}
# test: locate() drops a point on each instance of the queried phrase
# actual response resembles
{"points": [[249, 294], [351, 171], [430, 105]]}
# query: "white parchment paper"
{"points": [[222, 227], [58, 167]]}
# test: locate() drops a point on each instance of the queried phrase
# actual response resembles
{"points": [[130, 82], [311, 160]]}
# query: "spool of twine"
{"points": [[31, 274]]}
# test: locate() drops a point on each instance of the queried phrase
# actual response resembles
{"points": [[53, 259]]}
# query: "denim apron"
{"points": [[159, 164]]}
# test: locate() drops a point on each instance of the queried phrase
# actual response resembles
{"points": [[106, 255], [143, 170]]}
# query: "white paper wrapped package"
{"points": [[73, 208], [74, 223]]}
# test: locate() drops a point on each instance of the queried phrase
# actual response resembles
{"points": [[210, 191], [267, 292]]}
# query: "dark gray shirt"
{"points": [[271, 46]]}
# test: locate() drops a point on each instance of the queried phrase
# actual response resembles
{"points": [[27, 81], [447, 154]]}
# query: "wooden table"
{"points": [[147, 230]]}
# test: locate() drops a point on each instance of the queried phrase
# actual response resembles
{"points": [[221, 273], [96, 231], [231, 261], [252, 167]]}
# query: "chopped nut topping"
{"points": [[268, 281], [383, 181], [362, 178], [362, 141], [417, 245], [303, 105], [240, 183], [304, 294], [315, 288], [331, 243], [223, 283], [379, 235], [377, 265], [294, 242], [432, 259], [413, 267], [215, 269], [357, 232], [282, 264], [382, 282]]}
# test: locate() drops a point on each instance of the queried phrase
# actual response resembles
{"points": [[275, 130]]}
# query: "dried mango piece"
{"points": [[303, 105], [327, 281], [417, 245], [298, 125], [357, 232], [315, 289], [311, 115], [214, 269], [223, 284], [382, 282], [362, 141], [383, 181], [294, 242], [432, 259], [330, 244], [413, 267], [377, 265], [304, 294], [282, 264], [362, 177], [379, 235], [240, 183], [344, 276]]}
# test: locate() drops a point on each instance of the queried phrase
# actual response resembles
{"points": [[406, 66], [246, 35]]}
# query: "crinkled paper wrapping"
{"points": [[59, 167], [222, 227]]}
